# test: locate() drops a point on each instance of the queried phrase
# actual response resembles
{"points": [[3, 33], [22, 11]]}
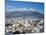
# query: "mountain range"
{"points": [[23, 13]]}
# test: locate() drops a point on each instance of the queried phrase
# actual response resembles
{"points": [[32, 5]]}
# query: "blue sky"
{"points": [[21, 4]]}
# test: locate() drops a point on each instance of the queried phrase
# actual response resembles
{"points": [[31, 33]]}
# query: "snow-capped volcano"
{"points": [[25, 9]]}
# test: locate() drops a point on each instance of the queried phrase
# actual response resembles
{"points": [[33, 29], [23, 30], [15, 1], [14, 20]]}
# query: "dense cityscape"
{"points": [[21, 25]]}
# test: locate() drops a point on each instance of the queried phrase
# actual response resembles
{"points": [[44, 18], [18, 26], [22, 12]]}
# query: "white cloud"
{"points": [[10, 9]]}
